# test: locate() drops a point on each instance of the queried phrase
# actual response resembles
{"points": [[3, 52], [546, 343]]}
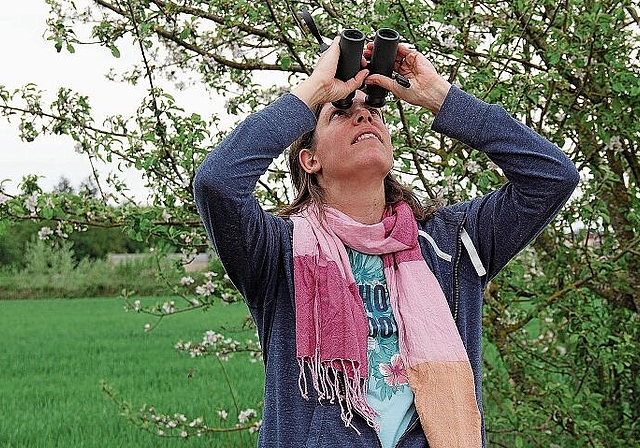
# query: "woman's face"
{"points": [[351, 145]]}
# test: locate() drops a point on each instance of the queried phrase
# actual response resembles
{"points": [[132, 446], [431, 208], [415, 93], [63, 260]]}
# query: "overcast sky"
{"points": [[28, 57]]}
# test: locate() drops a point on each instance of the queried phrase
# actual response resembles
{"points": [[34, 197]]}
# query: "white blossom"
{"points": [[449, 42], [615, 144], [196, 422], [31, 202], [60, 230], [473, 167], [255, 427], [211, 337], [184, 281], [223, 414], [4, 198], [44, 233], [562, 350], [206, 289], [247, 415], [168, 307]]}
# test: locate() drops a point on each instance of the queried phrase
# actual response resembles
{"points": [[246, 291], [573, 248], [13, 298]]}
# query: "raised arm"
{"points": [[541, 177], [243, 235]]}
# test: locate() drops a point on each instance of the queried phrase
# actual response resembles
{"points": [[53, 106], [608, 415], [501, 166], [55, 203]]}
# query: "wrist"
{"points": [[307, 93], [437, 93]]}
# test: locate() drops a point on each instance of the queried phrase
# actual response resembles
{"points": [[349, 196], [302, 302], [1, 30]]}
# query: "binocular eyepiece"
{"points": [[385, 47]]}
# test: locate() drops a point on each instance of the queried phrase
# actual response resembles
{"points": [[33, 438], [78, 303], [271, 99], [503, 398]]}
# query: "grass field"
{"points": [[54, 354]]}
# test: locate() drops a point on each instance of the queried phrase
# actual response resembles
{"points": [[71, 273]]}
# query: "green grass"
{"points": [[54, 354]]}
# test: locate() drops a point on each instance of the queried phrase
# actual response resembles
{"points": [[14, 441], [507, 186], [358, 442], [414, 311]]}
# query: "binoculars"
{"points": [[385, 47]]}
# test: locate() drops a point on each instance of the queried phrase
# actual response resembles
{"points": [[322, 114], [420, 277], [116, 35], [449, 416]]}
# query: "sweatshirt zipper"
{"points": [[456, 265], [357, 412], [456, 308]]}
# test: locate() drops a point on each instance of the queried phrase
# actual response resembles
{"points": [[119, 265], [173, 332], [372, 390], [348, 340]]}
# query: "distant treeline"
{"points": [[93, 244]]}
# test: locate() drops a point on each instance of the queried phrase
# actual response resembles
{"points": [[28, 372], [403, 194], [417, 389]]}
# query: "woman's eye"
{"points": [[337, 113], [375, 112]]}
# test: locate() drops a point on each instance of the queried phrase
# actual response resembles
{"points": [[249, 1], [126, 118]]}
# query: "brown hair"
{"points": [[308, 189]]}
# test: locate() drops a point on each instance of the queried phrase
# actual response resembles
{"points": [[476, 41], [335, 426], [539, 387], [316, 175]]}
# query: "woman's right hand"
{"points": [[322, 86]]}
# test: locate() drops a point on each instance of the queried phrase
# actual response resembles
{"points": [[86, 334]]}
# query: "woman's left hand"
{"points": [[428, 89]]}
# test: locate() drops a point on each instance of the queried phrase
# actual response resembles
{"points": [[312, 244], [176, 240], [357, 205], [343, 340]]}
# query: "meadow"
{"points": [[55, 353]]}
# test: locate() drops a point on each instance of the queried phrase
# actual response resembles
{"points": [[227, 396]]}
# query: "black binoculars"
{"points": [[385, 47]]}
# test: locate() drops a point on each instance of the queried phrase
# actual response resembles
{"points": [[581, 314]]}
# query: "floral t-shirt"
{"points": [[389, 392]]}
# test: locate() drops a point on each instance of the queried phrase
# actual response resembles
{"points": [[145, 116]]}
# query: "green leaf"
{"points": [[114, 51], [185, 33], [285, 62]]}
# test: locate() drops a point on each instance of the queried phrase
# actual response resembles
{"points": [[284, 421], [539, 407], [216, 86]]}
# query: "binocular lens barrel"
{"points": [[385, 47], [351, 46]]}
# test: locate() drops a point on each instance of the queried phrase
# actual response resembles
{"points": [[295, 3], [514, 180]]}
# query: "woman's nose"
{"points": [[363, 114]]}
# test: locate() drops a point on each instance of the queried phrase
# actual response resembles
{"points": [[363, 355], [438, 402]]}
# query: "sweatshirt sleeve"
{"points": [[245, 237], [541, 178]]}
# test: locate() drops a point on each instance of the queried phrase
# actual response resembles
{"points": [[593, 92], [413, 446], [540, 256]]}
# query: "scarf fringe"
{"points": [[325, 379]]}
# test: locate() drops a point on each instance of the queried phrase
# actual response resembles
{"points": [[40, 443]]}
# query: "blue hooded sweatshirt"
{"points": [[465, 245]]}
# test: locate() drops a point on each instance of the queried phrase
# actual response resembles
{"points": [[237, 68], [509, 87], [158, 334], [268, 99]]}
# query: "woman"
{"points": [[368, 307]]}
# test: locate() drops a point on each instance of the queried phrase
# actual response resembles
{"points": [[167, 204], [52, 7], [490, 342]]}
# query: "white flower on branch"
{"points": [[256, 427], [207, 289], [169, 307], [44, 233], [197, 422], [247, 415], [615, 144], [31, 203], [211, 337], [473, 167], [184, 281]]}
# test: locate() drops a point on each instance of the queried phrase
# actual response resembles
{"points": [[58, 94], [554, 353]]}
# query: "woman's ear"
{"points": [[308, 162]]}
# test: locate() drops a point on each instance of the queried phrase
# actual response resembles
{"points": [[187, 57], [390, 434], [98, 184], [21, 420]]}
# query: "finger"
{"points": [[355, 82], [328, 61], [403, 51], [382, 81]]}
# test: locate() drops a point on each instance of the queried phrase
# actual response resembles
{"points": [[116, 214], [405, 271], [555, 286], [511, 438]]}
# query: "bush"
{"points": [[51, 271]]}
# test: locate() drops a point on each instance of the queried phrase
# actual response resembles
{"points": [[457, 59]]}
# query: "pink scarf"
{"points": [[332, 330]]}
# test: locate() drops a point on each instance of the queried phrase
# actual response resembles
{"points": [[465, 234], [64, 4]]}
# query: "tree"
{"points": [[562, 322]]}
